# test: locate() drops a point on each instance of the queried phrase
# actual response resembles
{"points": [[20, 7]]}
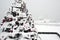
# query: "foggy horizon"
{"points": [[40, 9]]}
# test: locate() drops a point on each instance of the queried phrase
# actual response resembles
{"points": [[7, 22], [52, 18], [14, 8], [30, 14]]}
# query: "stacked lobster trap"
{"points": [[18, 24]]}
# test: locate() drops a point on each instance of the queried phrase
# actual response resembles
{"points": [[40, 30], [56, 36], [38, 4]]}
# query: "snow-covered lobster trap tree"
{"points": [[18, 23]]}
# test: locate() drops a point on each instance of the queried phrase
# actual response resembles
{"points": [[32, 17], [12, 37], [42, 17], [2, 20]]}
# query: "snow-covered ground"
{"points": [[49, 37], [48, 27]]}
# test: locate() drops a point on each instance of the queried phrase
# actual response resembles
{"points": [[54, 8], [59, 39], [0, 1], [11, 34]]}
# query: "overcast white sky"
{"points": [[45, 9]]}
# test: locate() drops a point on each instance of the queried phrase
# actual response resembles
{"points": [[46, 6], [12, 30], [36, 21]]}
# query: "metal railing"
{"points": [[50, 33]]}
